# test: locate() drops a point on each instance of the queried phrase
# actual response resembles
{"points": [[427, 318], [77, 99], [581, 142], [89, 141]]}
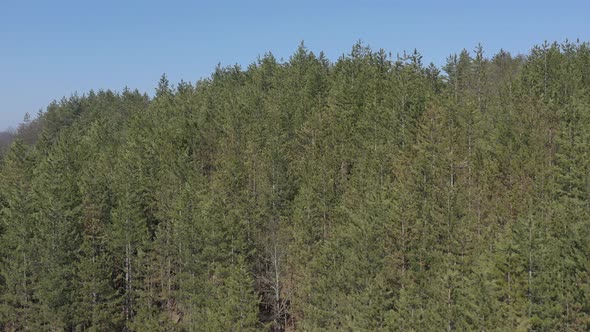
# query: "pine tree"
{"points": [[18, 272]]}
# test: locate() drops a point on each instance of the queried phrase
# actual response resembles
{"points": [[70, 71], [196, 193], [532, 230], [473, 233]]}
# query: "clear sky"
{"points": [[50, 49]]}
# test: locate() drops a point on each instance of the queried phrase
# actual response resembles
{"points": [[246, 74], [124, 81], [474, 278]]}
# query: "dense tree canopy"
{"points": [[374, 193]]}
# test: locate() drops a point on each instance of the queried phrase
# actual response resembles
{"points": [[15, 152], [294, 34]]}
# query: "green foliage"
{"points": [[369, 194]]}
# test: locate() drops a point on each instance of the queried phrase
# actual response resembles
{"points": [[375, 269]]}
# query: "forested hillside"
{"points": [[374, 193]]}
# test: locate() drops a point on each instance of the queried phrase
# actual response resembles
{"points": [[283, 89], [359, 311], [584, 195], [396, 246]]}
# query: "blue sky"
{"points": [[50, 49]]}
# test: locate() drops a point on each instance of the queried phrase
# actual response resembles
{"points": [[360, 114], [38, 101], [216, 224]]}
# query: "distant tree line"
{"points": [[27, 132], [374, 193]]}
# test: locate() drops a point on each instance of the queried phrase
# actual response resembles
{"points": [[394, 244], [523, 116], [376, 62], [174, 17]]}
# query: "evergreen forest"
{"points": [[369, 193]]}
